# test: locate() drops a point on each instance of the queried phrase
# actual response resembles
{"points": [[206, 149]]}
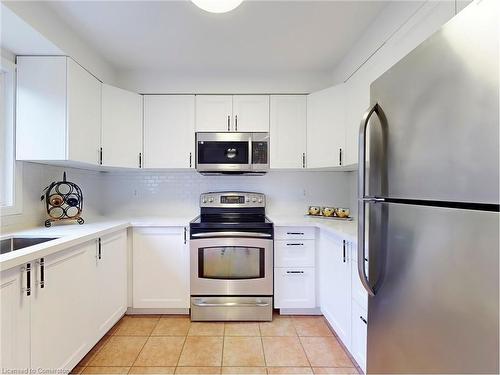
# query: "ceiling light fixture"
{"points": [[217, 6]]}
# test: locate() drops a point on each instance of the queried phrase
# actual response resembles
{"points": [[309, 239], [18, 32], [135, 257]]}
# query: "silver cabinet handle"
{"points": [[228, 122], [294, 244], [303, 160], [230, 304], [362, 199], [236, 122], [42, 272], [140, 159], [294, 272], [230, 234], [190, 160]]}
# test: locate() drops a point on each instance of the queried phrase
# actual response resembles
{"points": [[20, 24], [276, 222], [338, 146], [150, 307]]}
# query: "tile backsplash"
{"points": [[123, 194]]}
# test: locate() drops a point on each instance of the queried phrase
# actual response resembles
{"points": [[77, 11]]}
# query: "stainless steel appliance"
{"points": [[231, 245], [232, 153], [429, 206]]}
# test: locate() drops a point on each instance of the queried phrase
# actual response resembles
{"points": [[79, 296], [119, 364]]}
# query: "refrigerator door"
{"points": [[441, 102], [436, 279]]}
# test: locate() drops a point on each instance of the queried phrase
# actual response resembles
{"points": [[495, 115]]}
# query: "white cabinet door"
{"points": [[14, 320], [326, 127], [160, 268], [214, 113], [169, 131], [83, 114], [111, 281], [121, 127], [41, 108], [251, 113], [335, 284], [294, 288], [58, 110], [359, 328], [61, 312], [288, 131]]}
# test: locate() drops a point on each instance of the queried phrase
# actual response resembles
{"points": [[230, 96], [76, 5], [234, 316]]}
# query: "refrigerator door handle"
{"points": [[362, 198]]}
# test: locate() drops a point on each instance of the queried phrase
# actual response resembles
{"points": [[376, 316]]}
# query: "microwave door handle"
{"points": [[250, 152]]}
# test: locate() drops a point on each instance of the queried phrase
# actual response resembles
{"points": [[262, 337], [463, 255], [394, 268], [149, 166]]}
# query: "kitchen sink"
{"points": [[8, 245]]}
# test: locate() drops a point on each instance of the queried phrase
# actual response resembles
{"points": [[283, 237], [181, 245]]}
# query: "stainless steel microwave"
{"points": [[232, 153]]}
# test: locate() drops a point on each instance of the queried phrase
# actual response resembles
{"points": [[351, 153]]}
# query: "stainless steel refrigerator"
{"points": [[429, 196]]}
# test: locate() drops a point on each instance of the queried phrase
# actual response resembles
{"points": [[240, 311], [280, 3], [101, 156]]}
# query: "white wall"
{"points": [[163, 82], [41, 18], [177, 193], [35, 178]]}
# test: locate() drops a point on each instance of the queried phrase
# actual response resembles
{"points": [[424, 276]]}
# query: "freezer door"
{"points": [[435, 275], [441, 140]]}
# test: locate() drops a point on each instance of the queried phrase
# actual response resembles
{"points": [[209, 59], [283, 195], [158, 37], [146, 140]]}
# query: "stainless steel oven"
{"points": [[231, 258], [232, 153], [237, 263]]}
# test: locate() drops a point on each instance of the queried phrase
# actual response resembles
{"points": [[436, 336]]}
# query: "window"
{"points": [[10, 170]]}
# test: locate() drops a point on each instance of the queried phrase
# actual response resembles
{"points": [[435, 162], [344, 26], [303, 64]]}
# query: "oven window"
{"points": [[231, 262], [218, 152]]}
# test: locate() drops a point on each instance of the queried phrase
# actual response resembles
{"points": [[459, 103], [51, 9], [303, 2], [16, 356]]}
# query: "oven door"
{"points": [[224, 152], [231, 266]]}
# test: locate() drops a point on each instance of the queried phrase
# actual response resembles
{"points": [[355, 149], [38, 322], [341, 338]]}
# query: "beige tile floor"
{"points": [[174, 345]]}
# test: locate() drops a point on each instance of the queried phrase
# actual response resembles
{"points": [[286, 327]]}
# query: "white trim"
{"points": [[16, 206]]}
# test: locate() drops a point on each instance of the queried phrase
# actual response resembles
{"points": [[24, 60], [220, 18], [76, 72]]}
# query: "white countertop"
{"points": [[346, 229], [74, 234]]}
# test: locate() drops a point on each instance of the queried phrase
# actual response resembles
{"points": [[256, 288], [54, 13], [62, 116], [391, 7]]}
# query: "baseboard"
{"points": [[313, 311], [146, 311]]}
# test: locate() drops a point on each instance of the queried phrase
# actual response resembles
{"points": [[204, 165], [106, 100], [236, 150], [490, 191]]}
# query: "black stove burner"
{"points": [[227, 220]]}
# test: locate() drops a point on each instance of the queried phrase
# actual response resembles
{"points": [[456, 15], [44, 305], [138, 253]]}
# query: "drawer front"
{"points": [[294, 253], [294, 233], [294, 287]]}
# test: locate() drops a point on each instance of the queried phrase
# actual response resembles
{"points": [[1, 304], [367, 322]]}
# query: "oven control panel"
{"points": [[232, 199]]}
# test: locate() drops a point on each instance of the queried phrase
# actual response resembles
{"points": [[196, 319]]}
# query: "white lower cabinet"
{"points": [[15, 320], [294, 288], [111, 281], [160, 268], [75, 296], [60, 325], [358, 340], [335, 284], [294, 268]]}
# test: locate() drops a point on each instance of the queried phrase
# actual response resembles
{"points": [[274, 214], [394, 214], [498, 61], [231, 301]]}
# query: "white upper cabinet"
{"points": [[251, 113], [58, 110], [121, 127], [214, 113], [231, 113], [326, 127], [169, 131], [288, 131]]}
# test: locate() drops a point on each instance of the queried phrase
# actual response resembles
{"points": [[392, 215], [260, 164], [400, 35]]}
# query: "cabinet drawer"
{"points": [[294, 233], [294, 253], [294, 287]]}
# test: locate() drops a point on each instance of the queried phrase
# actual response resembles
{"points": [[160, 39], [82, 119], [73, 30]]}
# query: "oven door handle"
{"points": [[231, 234], [231, 304]]}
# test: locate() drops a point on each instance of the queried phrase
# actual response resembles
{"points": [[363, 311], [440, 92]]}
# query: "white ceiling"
{"points": [[259, 37]]}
